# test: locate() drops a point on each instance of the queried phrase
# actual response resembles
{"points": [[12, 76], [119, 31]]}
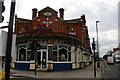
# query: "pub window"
{"points": [[43, 46], [54, 47], [55, 56], [75, 56], [72, 32], [69, 48], [28, 47], [17, 55], [63, 55], [38, 46], [50, 57], [69, 56], [23, 46], [63, 47], [22, 54], [30, 55]]}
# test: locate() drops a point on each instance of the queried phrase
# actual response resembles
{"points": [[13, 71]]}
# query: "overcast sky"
{"points": [[106, 11]]}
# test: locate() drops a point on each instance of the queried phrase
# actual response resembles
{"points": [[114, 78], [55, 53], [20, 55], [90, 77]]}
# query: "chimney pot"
{"points": [[61, 10], [34, 13]]}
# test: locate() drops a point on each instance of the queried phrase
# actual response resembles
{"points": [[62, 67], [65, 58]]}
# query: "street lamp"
{"points": [[98, 64]]}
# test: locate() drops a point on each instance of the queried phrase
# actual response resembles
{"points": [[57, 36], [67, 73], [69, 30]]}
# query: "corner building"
{"points": [[56, 44]]}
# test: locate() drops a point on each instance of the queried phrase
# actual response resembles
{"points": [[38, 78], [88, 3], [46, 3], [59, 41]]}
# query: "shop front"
{"points": [[49, 57]]}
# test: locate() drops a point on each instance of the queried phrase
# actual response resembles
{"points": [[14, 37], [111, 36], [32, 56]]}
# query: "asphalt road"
{"points": [[111, 71]]}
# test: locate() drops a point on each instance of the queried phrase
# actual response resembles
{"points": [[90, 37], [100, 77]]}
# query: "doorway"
{"points": [[41, 58]]}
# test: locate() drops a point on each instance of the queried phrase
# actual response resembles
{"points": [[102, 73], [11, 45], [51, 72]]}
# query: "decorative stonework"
{"points": [[47, 22]]}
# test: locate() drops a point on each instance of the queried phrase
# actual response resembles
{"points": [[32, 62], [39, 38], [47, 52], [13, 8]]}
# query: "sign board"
{"points": [[3, 44], [32, 66]]}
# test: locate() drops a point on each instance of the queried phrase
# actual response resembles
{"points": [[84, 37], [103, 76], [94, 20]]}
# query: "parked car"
{"points": [[110, 60], [117, 58]]}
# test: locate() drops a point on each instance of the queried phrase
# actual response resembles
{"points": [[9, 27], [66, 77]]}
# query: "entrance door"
{"points": [[42, 59]]}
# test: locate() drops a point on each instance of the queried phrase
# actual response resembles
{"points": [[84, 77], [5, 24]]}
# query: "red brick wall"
{"points": [[57, 24]]}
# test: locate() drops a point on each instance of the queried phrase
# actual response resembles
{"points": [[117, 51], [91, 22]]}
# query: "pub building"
{"points": [[51, 42]]}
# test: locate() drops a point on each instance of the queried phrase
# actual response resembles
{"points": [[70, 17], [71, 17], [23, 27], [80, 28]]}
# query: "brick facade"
{"points": [[59, 44], [48, 18]]}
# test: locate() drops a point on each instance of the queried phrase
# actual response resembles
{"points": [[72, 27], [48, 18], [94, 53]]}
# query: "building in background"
{"points": [[116, 51], [60, 44], [116, 54]]}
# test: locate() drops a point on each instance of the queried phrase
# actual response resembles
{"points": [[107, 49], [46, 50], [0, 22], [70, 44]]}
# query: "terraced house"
{"points": [[51, 42]]}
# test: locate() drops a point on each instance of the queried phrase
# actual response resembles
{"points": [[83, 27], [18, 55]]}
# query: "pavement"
{"points": [[86, 72]]}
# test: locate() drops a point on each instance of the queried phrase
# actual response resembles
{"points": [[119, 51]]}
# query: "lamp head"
{"points": [[97, 21]]}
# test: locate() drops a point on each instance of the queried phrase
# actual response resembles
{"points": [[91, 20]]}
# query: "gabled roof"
{"points": [[47, 8]]}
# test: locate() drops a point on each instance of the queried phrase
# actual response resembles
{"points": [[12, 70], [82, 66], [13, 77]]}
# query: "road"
{"points": [[111, 71]]}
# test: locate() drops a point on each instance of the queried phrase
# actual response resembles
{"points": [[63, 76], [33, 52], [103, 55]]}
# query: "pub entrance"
{"points": [[41, 58]]}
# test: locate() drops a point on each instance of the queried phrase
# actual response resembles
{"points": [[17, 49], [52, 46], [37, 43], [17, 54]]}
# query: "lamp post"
{"points": [[98, 64]]}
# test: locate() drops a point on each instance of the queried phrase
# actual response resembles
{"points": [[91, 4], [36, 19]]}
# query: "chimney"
{"points": [[61, 10], [34, 13], [83, 18]]}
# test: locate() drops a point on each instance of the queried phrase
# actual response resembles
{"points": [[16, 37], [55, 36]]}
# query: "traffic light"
{"points": [[2, 9], [93, 46]]}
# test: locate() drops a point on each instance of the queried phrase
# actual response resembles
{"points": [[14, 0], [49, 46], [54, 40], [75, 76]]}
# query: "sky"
{"points": [[104, 11]]}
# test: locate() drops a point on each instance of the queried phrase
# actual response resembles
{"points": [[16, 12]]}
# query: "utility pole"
{"points": [[9, 41], [93, 47]]}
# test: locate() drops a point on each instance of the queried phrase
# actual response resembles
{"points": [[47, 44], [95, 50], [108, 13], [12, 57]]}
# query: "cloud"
{"points": [[110, 35], [108, 40], [104, 49], [106, 11]]}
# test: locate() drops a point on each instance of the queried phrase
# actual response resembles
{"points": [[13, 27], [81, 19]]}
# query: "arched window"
{"points": [[22, 54], [62, 54]]}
